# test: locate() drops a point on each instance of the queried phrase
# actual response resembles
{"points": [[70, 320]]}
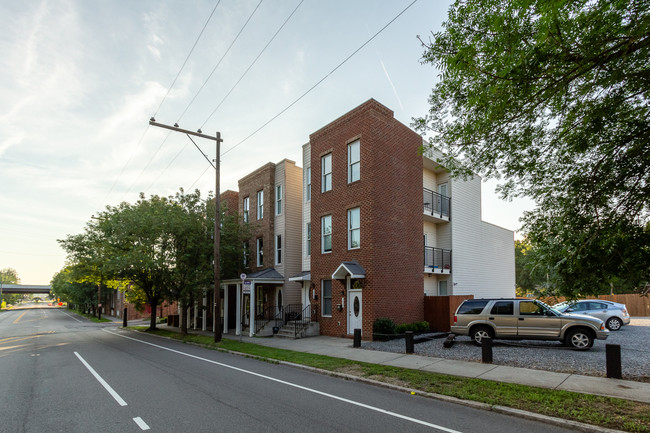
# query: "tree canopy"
{"points": [[161, 247], [553, 98]]}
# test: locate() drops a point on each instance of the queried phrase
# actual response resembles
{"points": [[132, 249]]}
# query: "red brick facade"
{"points": [[230, 200], [389, 197], [262, 179]]}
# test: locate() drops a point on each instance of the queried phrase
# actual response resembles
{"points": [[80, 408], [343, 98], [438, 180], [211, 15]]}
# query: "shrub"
{"points": [[383, 328]]}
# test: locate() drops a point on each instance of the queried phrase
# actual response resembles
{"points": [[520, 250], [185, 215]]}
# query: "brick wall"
{"points": [[389, 197], [230, 200], [261, 179]]}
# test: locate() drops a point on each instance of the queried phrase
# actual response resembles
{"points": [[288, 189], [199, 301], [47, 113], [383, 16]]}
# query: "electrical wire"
{"points": [[160, 105], [251, 65], [187, 58], [321, 80], [219, 62]]}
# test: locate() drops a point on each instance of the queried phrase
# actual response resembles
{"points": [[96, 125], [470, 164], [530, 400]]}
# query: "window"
{"points": [[442, 288], [354, 162], [326, 234], [354, 228], [530, 308], [278, 249], [503, 307], [472, 306], [327, 298], [260, 204], [278, 199], [246, 209], [245, 249], [308, 183], [260, 252], [326, 172], [309, 239]]}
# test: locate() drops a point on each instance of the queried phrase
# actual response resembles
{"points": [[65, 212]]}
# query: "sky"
{"points": [[79, 81]]}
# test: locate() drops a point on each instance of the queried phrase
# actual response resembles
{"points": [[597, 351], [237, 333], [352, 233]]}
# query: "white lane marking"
{"points": [[110, 390], [304, 388], [72, 317], [143, 425]]}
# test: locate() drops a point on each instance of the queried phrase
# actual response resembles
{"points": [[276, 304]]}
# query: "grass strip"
{"points": [[601, 411]]}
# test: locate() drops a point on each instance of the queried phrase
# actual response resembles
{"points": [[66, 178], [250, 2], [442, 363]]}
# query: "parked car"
{"points": [[614, 315], [525, 319]]}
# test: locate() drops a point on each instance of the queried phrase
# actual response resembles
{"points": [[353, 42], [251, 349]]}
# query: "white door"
{"points": [[354, 311]]}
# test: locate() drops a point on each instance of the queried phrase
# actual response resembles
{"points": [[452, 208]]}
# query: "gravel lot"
{"points": [[634, 340]]}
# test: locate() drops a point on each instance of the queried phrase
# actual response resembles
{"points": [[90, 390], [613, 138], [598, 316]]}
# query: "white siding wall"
{"points": [[292, 240], [279, 226], [306, 207], [430, 285], [482, 254]]}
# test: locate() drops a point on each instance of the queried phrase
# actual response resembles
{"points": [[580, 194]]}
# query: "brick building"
{"points": [[270, 200], [378, 233]]}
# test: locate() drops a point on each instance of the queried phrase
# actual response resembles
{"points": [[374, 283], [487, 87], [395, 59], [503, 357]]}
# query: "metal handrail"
{"points": [[301, 323], [437, 258], [270, 313], [436, 204]]}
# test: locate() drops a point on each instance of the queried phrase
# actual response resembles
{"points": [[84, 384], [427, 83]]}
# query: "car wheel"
{"points": [[613, 324], [479, 333], [579, 339]]}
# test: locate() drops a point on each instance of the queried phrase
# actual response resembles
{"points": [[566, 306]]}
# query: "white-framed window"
{"points": [[278, 249], [260, 252], [308, 183], [308, 239], [326, 172], [278, 199], [245, 250], [354, 161], [246, 208], [354, 228], [326, 298], [260, 204], [326, 234]]}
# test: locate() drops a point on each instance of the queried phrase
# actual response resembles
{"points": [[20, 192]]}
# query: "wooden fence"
{"points": [[439, 310], [637, 305]]}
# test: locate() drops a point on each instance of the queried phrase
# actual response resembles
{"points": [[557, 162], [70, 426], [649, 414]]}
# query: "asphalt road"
{"points": [[61, 373]]}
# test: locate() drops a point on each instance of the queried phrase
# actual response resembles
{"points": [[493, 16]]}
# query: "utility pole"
{"points": [[217, 218]]}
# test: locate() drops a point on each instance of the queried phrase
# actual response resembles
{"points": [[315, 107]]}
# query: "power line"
{"points": [[321, 80], [253, 63], [219, 63], [187, 58], [160, 105]]}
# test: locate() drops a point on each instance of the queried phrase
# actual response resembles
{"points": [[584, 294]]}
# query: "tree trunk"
{"points": [[154, 308], [183, 318]]}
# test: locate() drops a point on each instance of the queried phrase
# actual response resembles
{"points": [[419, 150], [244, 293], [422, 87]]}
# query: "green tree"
{"points": [[9, 276], [523, 279], [554, 97], [76, 286]]}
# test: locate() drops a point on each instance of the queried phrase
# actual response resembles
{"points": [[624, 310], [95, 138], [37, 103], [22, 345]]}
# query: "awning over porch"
{"points": [[353, 269], [268, 275], [303, 276]]}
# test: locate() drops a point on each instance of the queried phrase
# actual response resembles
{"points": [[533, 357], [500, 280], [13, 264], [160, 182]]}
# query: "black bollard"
{"points": [[124, 319], [357, 338], [409, 342], [486, 350], [613, 358]]}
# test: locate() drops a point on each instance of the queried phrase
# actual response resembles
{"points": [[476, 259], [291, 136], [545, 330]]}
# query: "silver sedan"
{"points": [[614, 315]]}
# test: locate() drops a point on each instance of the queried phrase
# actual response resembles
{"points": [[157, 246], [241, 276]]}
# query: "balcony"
{"points": [[437, 207], [437, 260]]}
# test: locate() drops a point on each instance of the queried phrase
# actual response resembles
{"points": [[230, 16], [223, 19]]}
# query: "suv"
{"points": [[525, 319]]}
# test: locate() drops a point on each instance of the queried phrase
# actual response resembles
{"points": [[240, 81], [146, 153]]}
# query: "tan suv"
{"points": [[525, 319]]}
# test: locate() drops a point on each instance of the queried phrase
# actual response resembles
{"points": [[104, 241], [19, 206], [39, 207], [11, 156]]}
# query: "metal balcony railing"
{"points": [[436, 204], [437, 259]]}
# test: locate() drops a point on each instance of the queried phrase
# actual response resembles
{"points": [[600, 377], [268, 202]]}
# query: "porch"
{"points": [[436, 206], [437, 260]]}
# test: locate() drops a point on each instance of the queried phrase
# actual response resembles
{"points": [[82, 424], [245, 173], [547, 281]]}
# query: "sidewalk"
{"points": [[342, 348]]}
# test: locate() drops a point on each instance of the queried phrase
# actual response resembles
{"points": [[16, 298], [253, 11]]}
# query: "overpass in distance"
{"points": [[24, 289]]}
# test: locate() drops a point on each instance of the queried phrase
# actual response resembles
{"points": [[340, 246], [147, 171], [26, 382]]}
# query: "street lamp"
{"points": [[217, 217]]}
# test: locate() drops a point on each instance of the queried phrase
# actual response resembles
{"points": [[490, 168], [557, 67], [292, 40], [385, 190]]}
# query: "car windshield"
{"points": [[547, 307]]}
